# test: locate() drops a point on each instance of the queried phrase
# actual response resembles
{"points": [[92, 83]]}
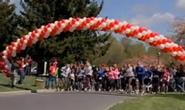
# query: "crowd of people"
{"points": [[139, 78], [129, 78]]}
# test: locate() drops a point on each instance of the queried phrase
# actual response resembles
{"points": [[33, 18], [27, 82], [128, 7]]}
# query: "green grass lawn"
{"points": [[160, 102], [28, 84]]}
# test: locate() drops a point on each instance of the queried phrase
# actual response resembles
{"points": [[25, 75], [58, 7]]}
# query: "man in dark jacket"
{"points": [[140, 73]]}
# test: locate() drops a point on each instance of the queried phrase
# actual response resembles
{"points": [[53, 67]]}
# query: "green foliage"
{"points": [[8, 24], [120, 51], [29, 84], [179, 29], [161, 102], [69, 47], [133, 49], [166, 58], [115, 54]]}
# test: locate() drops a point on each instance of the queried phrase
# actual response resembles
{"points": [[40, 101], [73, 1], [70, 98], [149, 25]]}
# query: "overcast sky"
{"points": [[154, 14]]}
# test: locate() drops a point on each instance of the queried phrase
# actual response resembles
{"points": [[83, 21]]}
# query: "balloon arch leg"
{"points": [[92, 23]]}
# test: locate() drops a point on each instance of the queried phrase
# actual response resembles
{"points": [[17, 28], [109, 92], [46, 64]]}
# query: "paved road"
{"points": [[59, 101]]}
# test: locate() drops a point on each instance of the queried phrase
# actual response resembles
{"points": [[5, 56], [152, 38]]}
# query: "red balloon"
{"points": [[54, 31], [80, 27], [19, 47], [30, 42], [128, 26], [120, 29], [2, 64], [43, 33], [9, 54], [142, 29], [68, 26], [180, 58], [133, 34], [93, 27]]}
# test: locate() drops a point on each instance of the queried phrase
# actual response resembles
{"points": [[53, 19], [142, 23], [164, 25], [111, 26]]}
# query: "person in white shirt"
{"points": [[65, 72], [129, 75], [89, 74]]}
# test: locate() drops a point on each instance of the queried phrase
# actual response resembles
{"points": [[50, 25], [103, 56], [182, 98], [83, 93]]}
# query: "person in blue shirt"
{"points": [[101, 78], [148, 79], [148, 73], [140, 73], [101, 73]]}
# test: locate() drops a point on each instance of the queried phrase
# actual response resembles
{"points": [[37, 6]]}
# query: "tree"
{"points": [[8, 24], [133, 49], [68, 46], [179, 29], [114, 55]]}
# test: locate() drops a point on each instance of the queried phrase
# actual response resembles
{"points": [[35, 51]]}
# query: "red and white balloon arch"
{"points": [[91, 23]]}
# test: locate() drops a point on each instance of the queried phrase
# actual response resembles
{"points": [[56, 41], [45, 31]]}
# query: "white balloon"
{"points": [[4, 57], [174, 53], [127, 31], [4, 52], [35, 40], [23, 46], [13, 54]]}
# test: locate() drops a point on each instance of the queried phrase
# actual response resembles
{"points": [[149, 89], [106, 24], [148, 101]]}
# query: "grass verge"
{"points": [[159, 102], [28, 84]]}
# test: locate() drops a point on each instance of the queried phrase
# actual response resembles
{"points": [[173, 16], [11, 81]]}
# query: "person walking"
{"points": [[140, 73], [28, 65], [129, 75], [101, 74], [52, 75], [157, 73], [180, 78], [111, 79], [14, 73], [116, 74], [21, 71], [66, 70], [88, 73], [165, 79]]}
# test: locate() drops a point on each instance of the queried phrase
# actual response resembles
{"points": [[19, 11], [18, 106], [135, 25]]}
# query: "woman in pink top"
{"points": [[110, 73], [116, 76], [111, 78], [165, 79]]}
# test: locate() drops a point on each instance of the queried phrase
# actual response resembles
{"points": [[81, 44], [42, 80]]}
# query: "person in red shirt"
{"points": [[22, 64], [53, 69], [28, 65], [165, 79]]}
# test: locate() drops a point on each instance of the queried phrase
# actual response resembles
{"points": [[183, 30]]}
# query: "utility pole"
{"points": [[158, 57]]}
